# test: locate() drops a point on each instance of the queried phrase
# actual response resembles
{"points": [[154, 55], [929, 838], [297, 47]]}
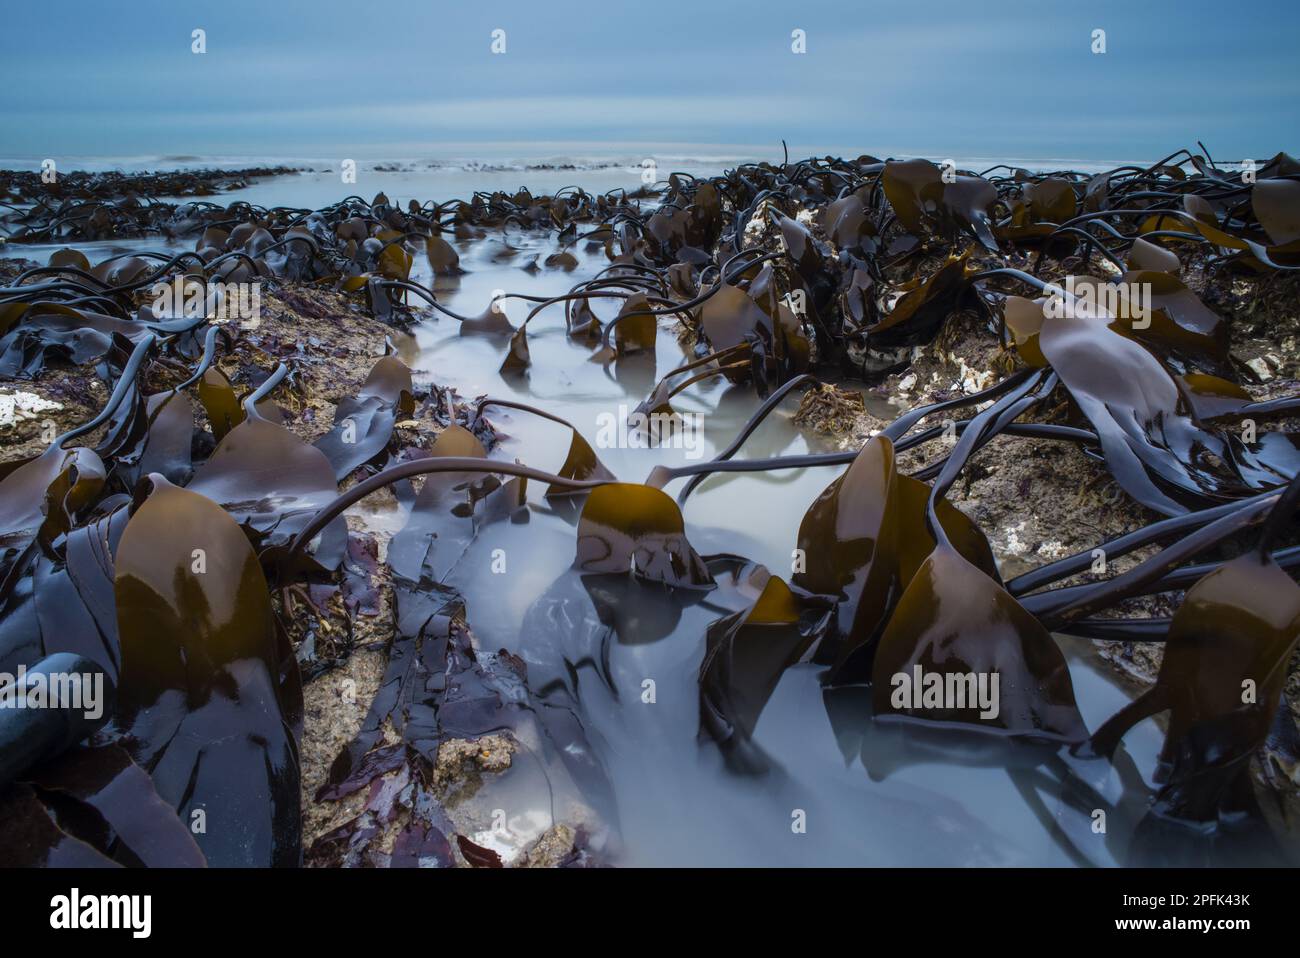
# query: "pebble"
{"points": [[1260, 369]]}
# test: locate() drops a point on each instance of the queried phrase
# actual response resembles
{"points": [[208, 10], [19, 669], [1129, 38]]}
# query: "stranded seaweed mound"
{"points": [[187, 541]]}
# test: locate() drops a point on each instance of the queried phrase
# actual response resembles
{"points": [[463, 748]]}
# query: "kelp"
{"points": [[201, 704], [864, 539], [259, 455], [1158, 453], [154, 555], [149, 432], [100, 798], [220, 403], [925, 201], [87, 206], [363, 426], [41, 497], [635, 326], [58, 334], [637, 530], [45, 729], [918, 309], [66, 605], [1221, 680], [745, 655], [440, 525], [953, 619]]}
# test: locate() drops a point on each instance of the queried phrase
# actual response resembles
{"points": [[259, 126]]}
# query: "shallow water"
{"points": [[320, 183], [923, 801]]}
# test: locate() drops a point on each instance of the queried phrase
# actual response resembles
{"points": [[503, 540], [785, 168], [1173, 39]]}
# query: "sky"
{"points": [[980, 78]]}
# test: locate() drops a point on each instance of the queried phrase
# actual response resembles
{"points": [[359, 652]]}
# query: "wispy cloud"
{"points": [[946, 77]]}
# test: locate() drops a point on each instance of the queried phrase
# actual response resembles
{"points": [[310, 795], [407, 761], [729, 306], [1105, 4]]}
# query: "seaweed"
{"points": [[258, 455], [93, 807], [363, 426], [168, 544], [626, 528], [201, 704], [109, 802], [1221, 679], [864, 540], [746, 653]]}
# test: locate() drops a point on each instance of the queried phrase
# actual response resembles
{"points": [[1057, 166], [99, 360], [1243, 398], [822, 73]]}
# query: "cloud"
{"points": [[947, 77]]}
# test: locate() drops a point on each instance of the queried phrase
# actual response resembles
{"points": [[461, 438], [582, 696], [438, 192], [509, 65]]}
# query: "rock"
{"points": [[1260, 369], [551, 848], [461, 758]]}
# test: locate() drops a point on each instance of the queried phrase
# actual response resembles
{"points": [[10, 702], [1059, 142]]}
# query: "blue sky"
{"points": [[352, 78]]}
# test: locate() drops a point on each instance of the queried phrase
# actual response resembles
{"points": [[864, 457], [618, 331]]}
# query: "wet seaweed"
{"points": [[777, 276]]}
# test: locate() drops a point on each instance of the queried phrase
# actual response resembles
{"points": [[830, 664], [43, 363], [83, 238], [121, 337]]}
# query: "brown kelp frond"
{"points": [[201, 704]]}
